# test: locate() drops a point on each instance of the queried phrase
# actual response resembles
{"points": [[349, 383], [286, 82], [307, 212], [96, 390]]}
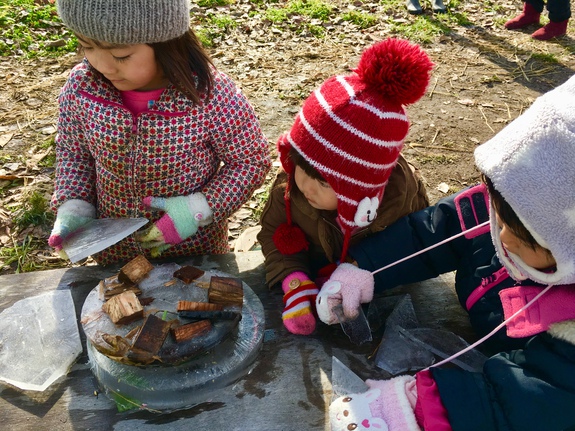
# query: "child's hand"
{"points": [[183, 215], [72, 215], [299, 299], [349, 286], [387, 405]]}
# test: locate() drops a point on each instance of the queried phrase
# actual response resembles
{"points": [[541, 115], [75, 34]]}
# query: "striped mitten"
{"points": [[299, 300], [183, 215], [72, 215]]}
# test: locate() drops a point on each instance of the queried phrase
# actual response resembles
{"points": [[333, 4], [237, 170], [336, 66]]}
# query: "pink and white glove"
{"points": [[388, 405], [349, 286], [72, 215], [183, 215]]}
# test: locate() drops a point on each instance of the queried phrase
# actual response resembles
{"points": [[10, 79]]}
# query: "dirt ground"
{"points": [[484, 77]]}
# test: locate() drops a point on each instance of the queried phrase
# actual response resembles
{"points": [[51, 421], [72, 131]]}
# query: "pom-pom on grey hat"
{"points": [[126, 21]]}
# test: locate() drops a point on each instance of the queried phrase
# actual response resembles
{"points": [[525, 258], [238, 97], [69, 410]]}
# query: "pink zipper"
{"points": [[486, 284]]}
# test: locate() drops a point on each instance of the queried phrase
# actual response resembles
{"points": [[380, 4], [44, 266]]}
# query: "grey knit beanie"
{"points": [[126, 21]]}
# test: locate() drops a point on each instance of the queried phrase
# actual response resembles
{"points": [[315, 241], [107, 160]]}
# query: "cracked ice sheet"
{"points": [[39, 340]]}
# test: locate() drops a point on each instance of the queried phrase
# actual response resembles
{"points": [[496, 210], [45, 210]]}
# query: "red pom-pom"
{"points": [[398, 69], [289, 239]]}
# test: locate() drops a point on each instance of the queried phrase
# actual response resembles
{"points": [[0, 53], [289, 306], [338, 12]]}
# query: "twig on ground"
{"points": [[520, 67], [435, 137], [433, 89], [485, 118], [438, 147], [465, 68]]}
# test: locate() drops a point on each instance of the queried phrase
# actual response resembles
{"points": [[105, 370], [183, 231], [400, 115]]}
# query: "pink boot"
{"points": [[551, 30], [528, 16]]}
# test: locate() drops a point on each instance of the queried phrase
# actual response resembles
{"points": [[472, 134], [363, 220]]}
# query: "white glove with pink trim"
{"points": [[388, 405], [349, 286]]}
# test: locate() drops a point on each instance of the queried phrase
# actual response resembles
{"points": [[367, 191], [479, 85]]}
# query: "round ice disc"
{"points": [[167, 388], [164, 292]]}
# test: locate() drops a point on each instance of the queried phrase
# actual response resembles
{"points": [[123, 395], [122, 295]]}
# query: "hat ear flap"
{"points": [[284, 147]]}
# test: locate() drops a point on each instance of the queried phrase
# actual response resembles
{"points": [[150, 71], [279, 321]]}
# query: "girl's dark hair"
{"points": [[298, 160], [183, 60], [186, 64], [509, 217]]}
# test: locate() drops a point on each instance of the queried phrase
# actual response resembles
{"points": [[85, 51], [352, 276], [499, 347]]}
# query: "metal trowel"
{"points": [[98, 235], [357, 330]]}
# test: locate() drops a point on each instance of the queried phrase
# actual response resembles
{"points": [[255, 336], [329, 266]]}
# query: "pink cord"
{"points": [[501, 325], [417, 253]]}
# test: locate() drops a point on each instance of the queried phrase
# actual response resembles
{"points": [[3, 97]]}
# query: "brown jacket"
{"points": [[404, 194]]}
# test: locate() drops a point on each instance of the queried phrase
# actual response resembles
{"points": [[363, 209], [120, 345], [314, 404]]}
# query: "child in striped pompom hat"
{"points": [[340, 156]]}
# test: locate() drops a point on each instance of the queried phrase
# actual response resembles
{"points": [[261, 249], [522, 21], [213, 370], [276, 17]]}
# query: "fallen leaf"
{"points": [[5, 138], [443, 187], [466, 102]]}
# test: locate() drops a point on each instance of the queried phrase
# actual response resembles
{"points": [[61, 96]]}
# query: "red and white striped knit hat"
{"points": [[351, 130]]}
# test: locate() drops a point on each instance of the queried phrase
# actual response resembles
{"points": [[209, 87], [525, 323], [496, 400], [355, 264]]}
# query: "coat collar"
{"points": [[171, 101]]}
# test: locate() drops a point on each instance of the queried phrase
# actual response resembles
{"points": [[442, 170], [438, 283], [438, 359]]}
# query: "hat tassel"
{"points": [[288, 238]]}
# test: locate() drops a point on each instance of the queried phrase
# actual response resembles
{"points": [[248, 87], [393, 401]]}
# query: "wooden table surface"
{"points": [[289, 387]]}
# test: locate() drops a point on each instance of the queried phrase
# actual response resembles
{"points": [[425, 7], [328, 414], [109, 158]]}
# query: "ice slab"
{"points": [[357, 329], [407, 347], [163, 388], [39, 340], [344, 381], [397, 354], [98, 235], [445, 344]]}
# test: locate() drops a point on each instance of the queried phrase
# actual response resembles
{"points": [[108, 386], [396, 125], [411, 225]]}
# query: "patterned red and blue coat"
{"points": [[114, 159]]}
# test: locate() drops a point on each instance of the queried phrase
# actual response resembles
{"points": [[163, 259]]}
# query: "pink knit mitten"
{"points": [[387, 406], [349, 286], [299, 300]]}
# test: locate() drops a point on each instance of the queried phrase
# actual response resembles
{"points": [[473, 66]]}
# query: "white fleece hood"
{"points": [[531, 162]]}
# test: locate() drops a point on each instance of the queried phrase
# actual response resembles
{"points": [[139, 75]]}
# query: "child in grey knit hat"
{"points": [[149, 128]]}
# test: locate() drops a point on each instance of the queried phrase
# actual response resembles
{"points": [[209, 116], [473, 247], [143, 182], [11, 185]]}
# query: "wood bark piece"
{"points": [[135, 270], [226, 291], [202, 284], [198, 306], [150, 339], [188, 273], [124, 308], [212, 315], [111, 286], [191, 330], [118, 346]]}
